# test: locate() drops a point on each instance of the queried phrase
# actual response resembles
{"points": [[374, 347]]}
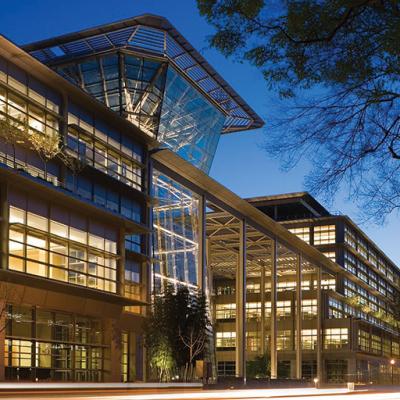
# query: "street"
{"points": [[250, 394]]}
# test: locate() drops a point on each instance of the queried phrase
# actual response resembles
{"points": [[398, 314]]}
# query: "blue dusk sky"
{"points": [[240, 163]]}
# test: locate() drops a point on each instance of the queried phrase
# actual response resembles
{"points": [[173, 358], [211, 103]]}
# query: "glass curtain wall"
{"points": [[130, 85], [190, 125], [176, 233]]}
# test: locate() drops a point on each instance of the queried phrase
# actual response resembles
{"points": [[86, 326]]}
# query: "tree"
{"points": [[12, 132], [46, 146], [176, 333], [335, 64]]}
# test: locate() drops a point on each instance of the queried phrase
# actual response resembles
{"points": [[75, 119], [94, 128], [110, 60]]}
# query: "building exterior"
{"points": [[106, 139], [359, 321]]}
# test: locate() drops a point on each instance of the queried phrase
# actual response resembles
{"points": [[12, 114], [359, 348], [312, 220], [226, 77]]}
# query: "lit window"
{"points": [[308, 339], [336, 338], [325, 234], [226, 339], [302, 233]]}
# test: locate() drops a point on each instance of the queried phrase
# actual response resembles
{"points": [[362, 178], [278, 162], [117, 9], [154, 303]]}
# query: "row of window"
{"points": [[43, 247], [104, 196], [365, 273], [281, 286], [339, 309], [333, 339], [46, 345], [323, 234], [96, 129], [367, 252], [104, 159], [253, 309], [372, 343]]}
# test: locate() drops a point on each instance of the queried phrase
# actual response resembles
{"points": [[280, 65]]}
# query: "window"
{"points": [[225, 311], [53, 250], [308, 339], [376, 344], [284, 309], [253, 310], [226, 340], [253, 287], [101, 157], [336, 338], [325, 234], [252, 341], [302, 233], [42, 343], [309, 308], [363, 340], [284, 340], [226, 368]]}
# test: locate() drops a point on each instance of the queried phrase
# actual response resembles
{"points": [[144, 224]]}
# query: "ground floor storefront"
{"points": [[65, 338]]}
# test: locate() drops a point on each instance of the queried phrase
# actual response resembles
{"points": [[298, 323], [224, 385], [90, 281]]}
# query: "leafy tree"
{"points": [[47, 147], [336, 64], [176, 333], [12, 132]]}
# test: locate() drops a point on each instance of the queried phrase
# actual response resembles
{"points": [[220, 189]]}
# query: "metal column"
{"points": [[262, 299], [202, 261], [319, 329], [241, 305], [298, 318], [274, 354]]}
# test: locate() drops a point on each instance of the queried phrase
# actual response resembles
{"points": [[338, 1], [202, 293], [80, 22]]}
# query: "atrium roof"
{"points": [[153, 35]]}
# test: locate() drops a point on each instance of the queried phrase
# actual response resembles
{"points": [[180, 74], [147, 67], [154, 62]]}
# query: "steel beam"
{"points": [[241, 305], [319, 329], [202, 257], [298, 318], [274, 353]]}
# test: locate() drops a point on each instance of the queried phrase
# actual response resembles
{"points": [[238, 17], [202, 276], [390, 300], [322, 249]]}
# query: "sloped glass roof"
{"points": [[156, 36]]}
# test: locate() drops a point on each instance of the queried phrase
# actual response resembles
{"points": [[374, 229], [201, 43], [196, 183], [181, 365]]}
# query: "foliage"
{"points": [[47, 147], [176, 333], [260, 367], [12, 132], [336, 64]]}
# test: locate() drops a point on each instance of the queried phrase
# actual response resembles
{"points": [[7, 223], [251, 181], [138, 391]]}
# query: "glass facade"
{"points": [[190, 125], [52, 248], [157, 99], [130, 85], [176, 226], [47, 345]]}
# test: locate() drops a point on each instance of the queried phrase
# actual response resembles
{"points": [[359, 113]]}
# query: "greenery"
{"points": [[18, 132], [335, 63], [176, 333], [260, 367]]}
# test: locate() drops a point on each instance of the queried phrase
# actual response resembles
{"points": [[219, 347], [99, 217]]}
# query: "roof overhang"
{"points": [[153, 35]]}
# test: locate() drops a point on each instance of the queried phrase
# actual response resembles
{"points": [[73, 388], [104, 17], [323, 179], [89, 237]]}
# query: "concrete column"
{"points": [[274, 353], [351, 369], [121, 262], [2, 340], [262, 299], [241, 305], [320, 372], [4, 215], [202, 261], [298, 318], [112, 337]]}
